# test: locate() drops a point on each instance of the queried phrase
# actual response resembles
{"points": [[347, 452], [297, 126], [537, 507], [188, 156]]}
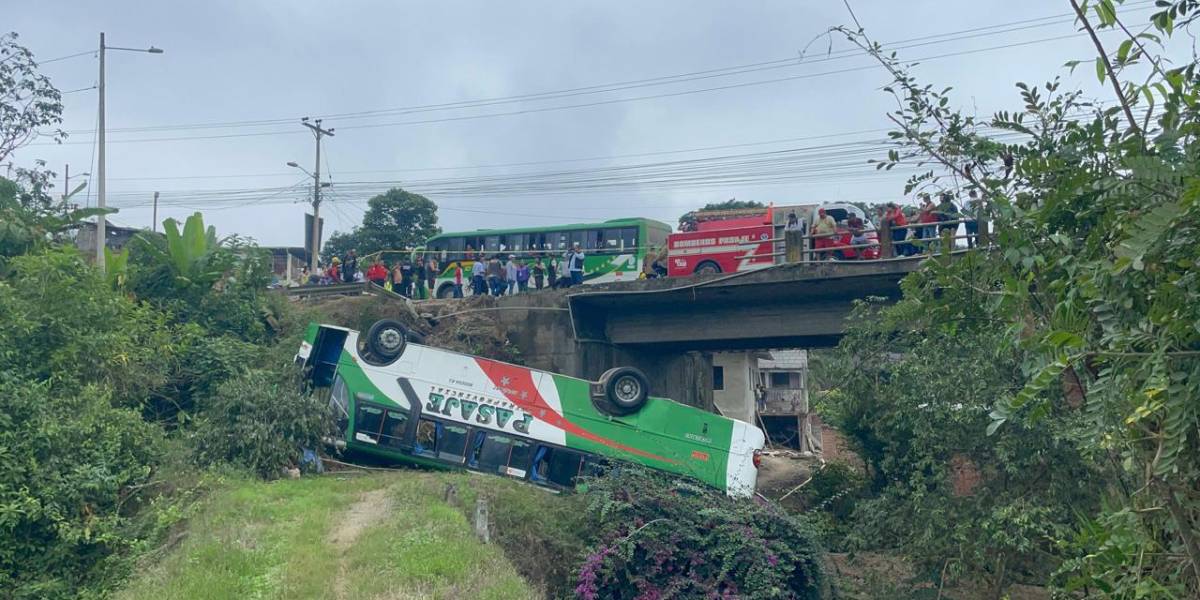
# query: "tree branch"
{"points": [[1112, 76]]}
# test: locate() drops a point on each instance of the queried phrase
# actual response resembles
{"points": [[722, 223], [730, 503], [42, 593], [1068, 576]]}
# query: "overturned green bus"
{"points": [[412, 403]]}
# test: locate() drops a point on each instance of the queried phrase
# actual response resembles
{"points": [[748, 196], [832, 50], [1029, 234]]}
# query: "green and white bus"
{"points": [[410, 403], [614, 250]]}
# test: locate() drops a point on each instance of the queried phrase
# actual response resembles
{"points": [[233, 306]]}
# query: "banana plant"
{"points": [[194, 256]]}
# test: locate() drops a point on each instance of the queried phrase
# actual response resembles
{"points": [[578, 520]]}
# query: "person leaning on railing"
{"points": [[824, 229]]}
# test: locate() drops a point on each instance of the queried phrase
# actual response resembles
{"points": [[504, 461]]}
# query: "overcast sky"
{"points": [[241, 60]]}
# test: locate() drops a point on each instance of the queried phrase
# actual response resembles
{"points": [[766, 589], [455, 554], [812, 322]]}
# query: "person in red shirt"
{"points": [[927, 216], [377, 273], [896, 221], [458, 291]]}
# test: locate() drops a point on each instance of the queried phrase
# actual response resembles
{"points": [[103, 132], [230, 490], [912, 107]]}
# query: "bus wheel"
{"points": [[707, 267], [625, 389], [386, 340], [446, 291]]}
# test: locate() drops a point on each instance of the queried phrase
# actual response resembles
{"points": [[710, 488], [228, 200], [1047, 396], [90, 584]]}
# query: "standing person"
{"points": [[349, 266], [794, 223], [858, 233], [397, 277], [947, 211], [406, 277], [478, 277], [495, 275], [895, 219], [552, 273], [539, 274], [927, 217], [458, 280], [576, 266], [823, 230], [510, 274], [971, 211], [419, 278], [377, 273], [432, 270], [522, 277]]}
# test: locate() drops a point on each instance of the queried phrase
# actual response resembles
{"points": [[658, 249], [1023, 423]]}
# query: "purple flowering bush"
{"points": [[660, 536]]}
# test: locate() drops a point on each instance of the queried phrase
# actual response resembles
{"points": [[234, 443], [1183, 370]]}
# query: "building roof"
{"points": [[785, 360]]}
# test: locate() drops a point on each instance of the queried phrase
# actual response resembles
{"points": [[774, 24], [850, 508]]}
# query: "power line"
{"points": [[54, 60], [614, 87]]}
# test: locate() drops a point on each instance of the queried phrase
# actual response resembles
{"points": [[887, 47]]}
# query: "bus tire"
{"points": [[386, 341], [625, 389], [707, 267], [446, 291]]}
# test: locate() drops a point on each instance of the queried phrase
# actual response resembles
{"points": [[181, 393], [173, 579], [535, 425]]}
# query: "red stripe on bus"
{"points": [[520, 390]]}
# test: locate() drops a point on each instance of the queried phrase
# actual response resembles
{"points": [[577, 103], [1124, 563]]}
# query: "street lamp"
{"points": [[101, 234]]}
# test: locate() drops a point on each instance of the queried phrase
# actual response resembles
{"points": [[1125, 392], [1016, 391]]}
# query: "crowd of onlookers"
{"points": [[927, 222], [416, 276]]}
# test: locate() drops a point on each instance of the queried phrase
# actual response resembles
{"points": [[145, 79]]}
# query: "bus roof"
{"points": [[625, 222]]}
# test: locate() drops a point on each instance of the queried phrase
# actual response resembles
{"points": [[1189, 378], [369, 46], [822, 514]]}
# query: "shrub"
{"points": [[259, 420], [660, 536], [69, 462]]}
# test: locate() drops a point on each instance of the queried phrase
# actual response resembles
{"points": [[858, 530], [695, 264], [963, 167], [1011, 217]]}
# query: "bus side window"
{"points": [[426, 440], [519, 457], [451, 442], [368, 422], [629, 239], [489, 451], [394, 422], [556, 466]]}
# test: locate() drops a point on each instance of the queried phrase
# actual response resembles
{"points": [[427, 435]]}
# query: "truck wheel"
{"points": [[707, 267], [446, 291], [625, 389], [386, 341]]}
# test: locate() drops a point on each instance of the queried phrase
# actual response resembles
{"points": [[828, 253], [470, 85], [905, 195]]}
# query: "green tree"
{"points": [[29, 105], [1096, 217], [395, 220]]}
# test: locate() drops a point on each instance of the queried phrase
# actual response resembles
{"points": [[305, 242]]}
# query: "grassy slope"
{"points": [[351, 536]]}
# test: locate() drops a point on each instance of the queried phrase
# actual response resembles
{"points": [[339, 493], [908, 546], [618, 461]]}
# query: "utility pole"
{"points": [[100, 221], [66, 182], [100, 229], [318, 133], [154, 219]]}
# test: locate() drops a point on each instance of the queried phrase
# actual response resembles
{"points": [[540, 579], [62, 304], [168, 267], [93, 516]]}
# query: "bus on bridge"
{"points": [[615, 250]]}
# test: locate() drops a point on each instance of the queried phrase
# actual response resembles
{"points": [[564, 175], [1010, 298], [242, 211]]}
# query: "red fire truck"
{"points": [[728, 241]]}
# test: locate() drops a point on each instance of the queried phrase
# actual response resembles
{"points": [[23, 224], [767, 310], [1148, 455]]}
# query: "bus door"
{"points": [[322, 360]]}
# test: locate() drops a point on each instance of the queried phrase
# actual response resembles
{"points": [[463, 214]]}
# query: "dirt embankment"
{"points": [[464, 325]]}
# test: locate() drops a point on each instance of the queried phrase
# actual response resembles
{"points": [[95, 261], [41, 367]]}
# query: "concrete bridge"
{"points": [[669, 327]]}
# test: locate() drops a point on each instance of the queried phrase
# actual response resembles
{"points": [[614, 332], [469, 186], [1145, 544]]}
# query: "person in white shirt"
{"points": [[576, 265]]}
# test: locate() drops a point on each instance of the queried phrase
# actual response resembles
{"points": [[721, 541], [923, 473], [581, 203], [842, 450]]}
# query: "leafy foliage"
{"points": [[954, 500], [30, 217], [69, 460], [1092, 285], [395, 220], [259, 421], [663, 537], [218, 283], [29, 105]]}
